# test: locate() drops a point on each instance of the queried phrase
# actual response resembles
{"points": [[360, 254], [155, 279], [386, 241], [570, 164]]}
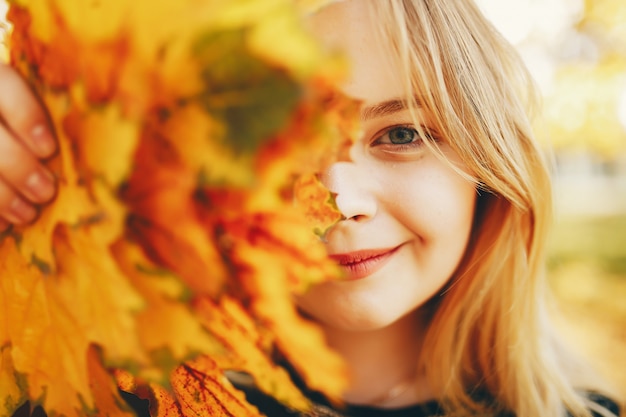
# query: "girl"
{"points": [[446, 200]]}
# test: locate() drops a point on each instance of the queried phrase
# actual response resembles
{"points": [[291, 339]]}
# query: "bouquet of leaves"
{"points": [[188, 211]]}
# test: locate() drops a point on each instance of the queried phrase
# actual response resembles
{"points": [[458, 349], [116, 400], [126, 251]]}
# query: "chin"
{"points": [[348, 316], [360, 324]]}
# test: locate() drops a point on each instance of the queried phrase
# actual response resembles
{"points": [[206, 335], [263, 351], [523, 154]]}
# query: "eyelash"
{"points": [[398, 147]]}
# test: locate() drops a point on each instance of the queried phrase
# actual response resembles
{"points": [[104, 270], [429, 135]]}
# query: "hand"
{"points": [[26, 138]]}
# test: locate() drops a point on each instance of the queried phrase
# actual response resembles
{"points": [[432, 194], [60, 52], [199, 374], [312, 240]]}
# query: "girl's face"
{"points": [[409, 214]]}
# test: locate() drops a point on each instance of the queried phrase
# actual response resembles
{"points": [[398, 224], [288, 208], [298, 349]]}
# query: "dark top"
{"points": [[272, 408]]}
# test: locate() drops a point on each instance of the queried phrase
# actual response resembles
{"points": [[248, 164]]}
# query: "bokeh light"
{"points": [[576, 51]]}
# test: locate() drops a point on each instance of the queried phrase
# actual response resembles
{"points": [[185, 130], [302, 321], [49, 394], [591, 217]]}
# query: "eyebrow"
{"points": [[386, 108]]}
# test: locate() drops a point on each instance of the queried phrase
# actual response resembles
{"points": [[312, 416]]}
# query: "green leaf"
{"points": [[252, 99]]}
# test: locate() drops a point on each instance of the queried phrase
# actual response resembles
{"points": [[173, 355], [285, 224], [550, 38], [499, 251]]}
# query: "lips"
{"points": [[361, 264]]}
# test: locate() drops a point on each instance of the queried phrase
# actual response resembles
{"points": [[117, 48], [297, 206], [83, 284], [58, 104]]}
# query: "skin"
{"points": [[393, 195], [26, 139], [396, 196]]}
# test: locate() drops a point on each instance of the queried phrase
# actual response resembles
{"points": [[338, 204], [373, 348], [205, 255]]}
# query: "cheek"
{"points": [[429, 198]]}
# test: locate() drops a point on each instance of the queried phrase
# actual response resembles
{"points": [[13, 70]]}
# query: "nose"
{"points": [[353, 188]]}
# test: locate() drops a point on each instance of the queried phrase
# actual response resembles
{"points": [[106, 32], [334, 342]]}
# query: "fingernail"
{"points": [[41, 184], [24, 212], [43, 140]]}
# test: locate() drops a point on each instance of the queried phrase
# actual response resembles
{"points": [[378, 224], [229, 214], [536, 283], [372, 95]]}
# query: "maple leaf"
{"points": [[275, 256], [161, 402], [13, 394], [239, 87], [321, 132], [199, 388], [318, 202], [173, 247], [247, 351], [179, 334], [209, 162], [50, 330], [202, 389], [107, 401]]}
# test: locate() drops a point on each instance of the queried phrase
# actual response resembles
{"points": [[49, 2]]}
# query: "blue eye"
{"points": [[401, 142], [402, 135], [402, 138]]}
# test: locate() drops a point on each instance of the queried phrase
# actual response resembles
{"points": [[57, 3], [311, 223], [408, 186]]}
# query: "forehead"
{"points": [[374, 71]]}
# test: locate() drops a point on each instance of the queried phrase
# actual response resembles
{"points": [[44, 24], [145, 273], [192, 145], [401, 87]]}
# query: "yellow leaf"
{"points": [[107, 400], [203, 390], [106, 143], [179, 334], [244, 350], [180, 138], [318, 204], [300, 341], [54, 319], [12, 394]]}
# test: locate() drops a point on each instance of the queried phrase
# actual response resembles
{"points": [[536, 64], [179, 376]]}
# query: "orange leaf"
{"points": [[54, 319], [161, 402], [13, 395], [318, 204], [202, 390], [161, 193], [300, 341], [275, 256], [178, 334], [180, 138], [107, 401], [45, 346], [245, 350]]}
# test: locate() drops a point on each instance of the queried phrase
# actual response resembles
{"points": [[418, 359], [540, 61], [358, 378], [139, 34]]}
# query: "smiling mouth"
{"points": [[361, 264]]}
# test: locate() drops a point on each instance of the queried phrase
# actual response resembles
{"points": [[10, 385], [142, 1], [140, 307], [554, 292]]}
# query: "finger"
{"points": [[24, 115], [13, 208], [23, 171]]}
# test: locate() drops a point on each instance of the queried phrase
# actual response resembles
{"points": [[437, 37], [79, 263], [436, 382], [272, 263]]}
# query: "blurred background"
{"points": [[576, 50]]}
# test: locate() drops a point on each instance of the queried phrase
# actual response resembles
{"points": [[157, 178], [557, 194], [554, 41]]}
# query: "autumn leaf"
{"points": [[103, 301], [199, 388], [73, 203], [208, 161], [162, 402], [13, 394], [179, 334], [318, 202], [246, 350], [56, 317], [239, 87], [107, 400], [320, 133], [274, 257], [202, 390], [40, 337], [105, 142], [173, 247]]}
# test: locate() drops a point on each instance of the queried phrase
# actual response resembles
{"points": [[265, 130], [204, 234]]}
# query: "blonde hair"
{"points": [[488, 337]]}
